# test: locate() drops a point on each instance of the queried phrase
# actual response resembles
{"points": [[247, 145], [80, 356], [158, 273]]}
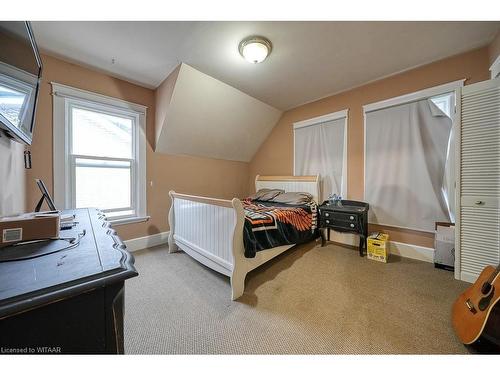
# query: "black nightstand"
{"points": [[350, 216]]}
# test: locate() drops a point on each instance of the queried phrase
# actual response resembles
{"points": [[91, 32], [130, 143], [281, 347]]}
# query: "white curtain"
{"points": [[319, 149], [406, 158], [449, 176]]}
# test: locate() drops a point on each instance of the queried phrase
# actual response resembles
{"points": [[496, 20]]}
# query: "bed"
{"points": [[211, 230]]}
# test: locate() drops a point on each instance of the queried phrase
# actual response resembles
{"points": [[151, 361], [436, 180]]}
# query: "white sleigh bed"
{"points": [[211, 230]]}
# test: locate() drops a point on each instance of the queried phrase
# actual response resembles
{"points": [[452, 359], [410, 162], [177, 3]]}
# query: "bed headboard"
{"points": [[308, 184]]}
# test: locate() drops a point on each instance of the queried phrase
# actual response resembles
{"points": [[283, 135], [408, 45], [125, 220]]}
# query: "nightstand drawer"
{"points": [[338, 216], [334, 222]]}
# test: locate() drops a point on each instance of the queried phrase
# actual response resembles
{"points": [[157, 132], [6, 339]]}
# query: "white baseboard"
{"points": [[407, 250], [350, 239], [140, 243]]}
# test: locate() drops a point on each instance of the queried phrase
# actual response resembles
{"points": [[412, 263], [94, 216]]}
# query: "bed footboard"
{"points": [[211, 231]]}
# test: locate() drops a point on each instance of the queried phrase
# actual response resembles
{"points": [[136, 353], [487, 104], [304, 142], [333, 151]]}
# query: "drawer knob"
{"points": [[351, 217], [352, 225], [479, 202], [327, 214], [328, 221]]}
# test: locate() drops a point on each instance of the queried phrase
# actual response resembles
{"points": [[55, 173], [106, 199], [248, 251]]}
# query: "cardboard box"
{"points": [[378, 247], [28, 227], [444, 246]]}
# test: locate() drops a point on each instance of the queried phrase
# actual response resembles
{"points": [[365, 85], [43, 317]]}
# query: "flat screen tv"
{"points": [[20, 73]]}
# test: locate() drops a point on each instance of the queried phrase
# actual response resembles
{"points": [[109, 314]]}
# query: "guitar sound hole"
{"points": [[485, 301], [485, 289]]}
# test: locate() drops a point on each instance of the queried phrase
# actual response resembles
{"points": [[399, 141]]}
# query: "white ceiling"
{"points": [[310, 60]]}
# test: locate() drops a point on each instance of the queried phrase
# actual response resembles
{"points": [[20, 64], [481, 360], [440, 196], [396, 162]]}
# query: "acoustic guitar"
{"points": [[476, 312]]}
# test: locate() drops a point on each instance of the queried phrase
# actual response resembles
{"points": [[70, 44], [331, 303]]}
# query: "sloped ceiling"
{"points": [[202, 116]]}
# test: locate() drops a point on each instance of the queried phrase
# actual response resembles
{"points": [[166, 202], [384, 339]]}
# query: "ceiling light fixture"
{"points": [[255, 49]]}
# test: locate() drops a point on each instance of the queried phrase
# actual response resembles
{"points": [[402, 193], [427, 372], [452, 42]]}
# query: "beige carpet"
{"points": [[309, 300]]}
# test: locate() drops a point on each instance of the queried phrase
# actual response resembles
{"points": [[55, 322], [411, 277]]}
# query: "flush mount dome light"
{"points": [[255, 49]]}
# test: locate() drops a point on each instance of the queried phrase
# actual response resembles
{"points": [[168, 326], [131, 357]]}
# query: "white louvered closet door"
{"points": [[479, 179]]}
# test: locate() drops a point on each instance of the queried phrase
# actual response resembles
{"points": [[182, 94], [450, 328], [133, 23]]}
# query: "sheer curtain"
{"points": [[409, 167], [320, 149], [449, 176]]}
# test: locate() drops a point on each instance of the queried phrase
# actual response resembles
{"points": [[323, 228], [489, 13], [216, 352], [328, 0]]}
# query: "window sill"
{"points": [[129, 220]]}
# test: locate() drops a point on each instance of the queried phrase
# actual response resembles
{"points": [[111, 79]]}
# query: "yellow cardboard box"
{"points": [[378, 247]]}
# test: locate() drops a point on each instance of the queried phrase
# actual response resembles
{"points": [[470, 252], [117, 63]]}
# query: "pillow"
{"points": [[265, 194], [293, 198]]}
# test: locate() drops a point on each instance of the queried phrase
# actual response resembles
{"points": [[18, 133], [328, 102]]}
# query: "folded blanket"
{"points": [[271, 224]]}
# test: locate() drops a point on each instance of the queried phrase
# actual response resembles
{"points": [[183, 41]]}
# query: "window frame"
{"points": [[65, 99], [445, 98], [436, 91], [97, 108], [495, 68]]}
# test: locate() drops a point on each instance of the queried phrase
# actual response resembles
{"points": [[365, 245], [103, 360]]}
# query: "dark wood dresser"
{"points": [[349, 216], [55, 298]]}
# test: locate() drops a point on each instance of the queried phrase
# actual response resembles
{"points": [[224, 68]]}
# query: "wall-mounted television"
{"points": [[20, 73]]}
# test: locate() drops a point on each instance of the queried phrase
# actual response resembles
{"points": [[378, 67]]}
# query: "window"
{"points": [[99, 154], [12, 102], [409, 159], [444, 103], [320, 147], [495, 68], [16, 96]]}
